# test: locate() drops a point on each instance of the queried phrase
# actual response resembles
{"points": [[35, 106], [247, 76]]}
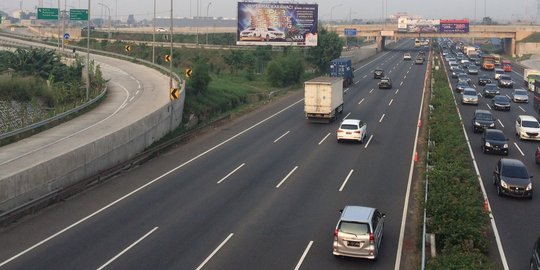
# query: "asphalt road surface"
{"points": [[262, 192]]}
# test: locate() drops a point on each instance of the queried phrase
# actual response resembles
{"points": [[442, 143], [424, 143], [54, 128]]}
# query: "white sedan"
{"points": [[352, 129]]}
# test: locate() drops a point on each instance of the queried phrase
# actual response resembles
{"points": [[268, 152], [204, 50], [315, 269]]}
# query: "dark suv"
{"points": [[482, 119], [378, 73], [512, 178]]}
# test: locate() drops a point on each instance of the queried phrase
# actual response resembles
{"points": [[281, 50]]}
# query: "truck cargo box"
{"points": [[342, 67], [323, 98]]}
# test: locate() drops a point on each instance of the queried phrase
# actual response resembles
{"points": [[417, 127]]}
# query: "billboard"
{"points": [[454, 26], [408, 25], [277, 24]]}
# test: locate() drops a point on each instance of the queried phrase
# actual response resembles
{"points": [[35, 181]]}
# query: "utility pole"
{"points": [[207, 7]]}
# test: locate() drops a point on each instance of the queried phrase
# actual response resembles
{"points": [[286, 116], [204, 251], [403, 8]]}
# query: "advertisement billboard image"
{"points": [[408, 25], [277, 24], [454, 26]]}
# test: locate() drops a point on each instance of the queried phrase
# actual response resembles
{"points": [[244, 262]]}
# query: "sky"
{"points": [[525, 10]]}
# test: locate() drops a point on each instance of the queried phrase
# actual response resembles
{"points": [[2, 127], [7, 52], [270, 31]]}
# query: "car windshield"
{"points": [[491, 87], [469, 93], [520, 92], [502, 99], [505, 77], [354, 228], [349, 126], [496, 136], [499, 71], [462, 83], [530, 124], [515, 171], [483, 116]]}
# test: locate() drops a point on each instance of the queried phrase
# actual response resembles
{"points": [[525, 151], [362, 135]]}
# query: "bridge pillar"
{"points": [[509, 46], [381, 40]]}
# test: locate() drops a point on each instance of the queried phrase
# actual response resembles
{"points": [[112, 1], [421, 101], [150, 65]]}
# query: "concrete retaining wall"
{"points": [[527, 48], [89, 159]]}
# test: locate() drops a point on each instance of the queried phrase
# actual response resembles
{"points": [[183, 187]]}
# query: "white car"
{"points": [[469, 96], [520, 95], [262, 33], [498, 73], [527, 127], [407, 56], [161, 29], [352, 129]]}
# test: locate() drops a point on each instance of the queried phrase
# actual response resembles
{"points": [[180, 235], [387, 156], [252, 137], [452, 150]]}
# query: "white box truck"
{"points": [[529, 75], [323, 98]]}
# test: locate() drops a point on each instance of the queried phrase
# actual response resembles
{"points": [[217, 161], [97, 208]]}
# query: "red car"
{"points": [[507, 66]]}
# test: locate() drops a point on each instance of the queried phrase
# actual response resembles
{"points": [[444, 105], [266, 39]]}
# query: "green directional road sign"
{"points": [[0, 19], [47, 13], [78, 14]]}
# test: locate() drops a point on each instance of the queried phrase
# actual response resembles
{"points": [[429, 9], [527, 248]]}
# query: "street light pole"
{"points": [[207, 7], [154, 36], [197, 21], [88, 53], [332, 11]]}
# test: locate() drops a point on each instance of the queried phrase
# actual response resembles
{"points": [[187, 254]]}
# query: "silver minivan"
{"points": [[359, 232]]}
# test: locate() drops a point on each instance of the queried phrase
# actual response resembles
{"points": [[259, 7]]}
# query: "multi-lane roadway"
{"points": [[263, 192], [517, 220]]}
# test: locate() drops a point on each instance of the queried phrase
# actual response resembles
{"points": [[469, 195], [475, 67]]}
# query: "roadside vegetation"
{"points": [[455, 204], [39, 81], [225, 80]]}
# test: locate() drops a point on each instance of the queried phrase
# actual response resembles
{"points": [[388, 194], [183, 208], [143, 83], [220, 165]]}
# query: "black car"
{"points": [[378, 73], [482, 119], [385, 82], [535, 257], [483, 80], [461, 85], [500, 102], [490, 90], [494, 141], [512, 178]]}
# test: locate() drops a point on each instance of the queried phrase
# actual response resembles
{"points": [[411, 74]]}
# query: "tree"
{"points": [[286, 70], [235, 60], [329, 47], [200, 79]]}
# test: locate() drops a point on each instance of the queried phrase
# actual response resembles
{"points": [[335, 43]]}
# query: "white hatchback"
{"points": [[352, 129], [527, 127]]}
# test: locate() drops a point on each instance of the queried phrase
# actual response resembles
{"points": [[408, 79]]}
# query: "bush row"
{"points": [[455, 202]]}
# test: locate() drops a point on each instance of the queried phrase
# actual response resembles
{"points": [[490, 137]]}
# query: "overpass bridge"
{"points": [[510, 34]]}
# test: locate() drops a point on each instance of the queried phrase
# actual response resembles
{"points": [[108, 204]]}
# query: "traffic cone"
{"points": [[419, 123], [415, 156], [486, 205]]}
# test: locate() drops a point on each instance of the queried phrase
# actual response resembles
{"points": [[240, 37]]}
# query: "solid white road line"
{"points": [[517, 146], [521, 108], [361, 101], [347, 115], [499, 120], [392, 100], [324, 138], [382, 117], [346, 179], [146, 185], [370, 137], [371, 90], [397, 90], [286, 177], [303, 256], [227, 176], [128, 248], [215, 251], [276, 140]]}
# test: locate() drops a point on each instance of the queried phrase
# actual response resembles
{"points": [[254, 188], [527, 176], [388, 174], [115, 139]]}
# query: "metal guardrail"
{"points": [[52, 119]]}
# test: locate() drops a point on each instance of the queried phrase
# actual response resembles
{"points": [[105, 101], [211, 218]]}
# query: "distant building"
{"points": [[131, 20], [197, 22], [17, 14]]}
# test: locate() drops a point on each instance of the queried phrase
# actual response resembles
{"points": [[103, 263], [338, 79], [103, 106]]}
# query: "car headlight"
{"points": [[505, 145], [488, 144], [476, 123], [503, 184], [492, 124], [529, 187]]}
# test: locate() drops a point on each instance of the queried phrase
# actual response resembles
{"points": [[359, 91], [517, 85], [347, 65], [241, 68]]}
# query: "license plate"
{"points": [[353, 244], [348, 133]]}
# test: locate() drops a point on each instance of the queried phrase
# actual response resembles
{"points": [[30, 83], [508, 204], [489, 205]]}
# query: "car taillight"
{"points": [[357, 131], [371, 239], [340, 130], [336, 234]]}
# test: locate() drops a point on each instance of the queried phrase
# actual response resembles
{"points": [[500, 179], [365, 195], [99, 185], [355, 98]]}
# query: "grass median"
{"points": [[455, 203]]}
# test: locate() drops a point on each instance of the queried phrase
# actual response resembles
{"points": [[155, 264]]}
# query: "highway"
{"points": [[516, 219], [262, 192]]}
